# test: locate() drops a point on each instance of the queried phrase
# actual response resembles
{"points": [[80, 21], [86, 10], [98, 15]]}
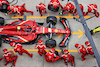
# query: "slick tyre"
{"points": [[51, 19], [1, 21], [50, 43], [3, 8], [0, 42]]}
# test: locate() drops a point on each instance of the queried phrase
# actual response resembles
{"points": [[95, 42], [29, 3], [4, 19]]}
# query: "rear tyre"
{"points": [[50, 43], [51, 19], [1, 21], [0, 42]]}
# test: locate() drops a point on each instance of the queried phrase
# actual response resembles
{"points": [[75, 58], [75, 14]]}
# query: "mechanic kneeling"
{"points": [[67, 57], [54, 5], [51, 56]]}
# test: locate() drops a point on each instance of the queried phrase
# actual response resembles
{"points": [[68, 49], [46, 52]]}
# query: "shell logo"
{"points": [[56, 30], [18, 27]]}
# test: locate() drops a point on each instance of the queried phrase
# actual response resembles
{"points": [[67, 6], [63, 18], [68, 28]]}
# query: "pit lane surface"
{"points": [[37, 61]]}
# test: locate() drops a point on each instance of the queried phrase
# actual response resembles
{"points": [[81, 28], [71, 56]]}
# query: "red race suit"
{"points": [[42, 8], [9, 57], [41, 49], [20, 10], [51, 57], [92, 8], [18, 48], [68, 58], [82, 50]]}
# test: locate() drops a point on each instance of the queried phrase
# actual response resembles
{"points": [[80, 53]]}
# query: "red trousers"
{"points": [[25, 51], [71, 59], [83, 56], [42, 12], [53, 60]]}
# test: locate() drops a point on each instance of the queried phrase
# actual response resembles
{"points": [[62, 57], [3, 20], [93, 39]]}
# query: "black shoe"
{"points": [[91, 32]]}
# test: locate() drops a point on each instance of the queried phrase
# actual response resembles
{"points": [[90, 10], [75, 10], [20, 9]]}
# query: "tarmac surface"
{"points": [[39, 61]]}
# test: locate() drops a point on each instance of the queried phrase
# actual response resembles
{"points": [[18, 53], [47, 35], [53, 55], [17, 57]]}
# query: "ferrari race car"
{"points": [[29, 32]]}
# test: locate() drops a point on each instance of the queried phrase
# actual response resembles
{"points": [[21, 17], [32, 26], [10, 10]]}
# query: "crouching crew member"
{"points": [[51, 56], [67, 57], [41, 47], [41, 8], [92, 8], [81, 49], [9, 57], [18, 9], [89, 48], [18, 48]]}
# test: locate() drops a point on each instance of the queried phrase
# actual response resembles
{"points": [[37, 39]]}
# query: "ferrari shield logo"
{"points": [[49, 56], [18, 49]]}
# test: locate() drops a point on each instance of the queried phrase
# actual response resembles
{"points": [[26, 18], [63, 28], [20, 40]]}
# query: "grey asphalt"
{"points": [[37, 61]]}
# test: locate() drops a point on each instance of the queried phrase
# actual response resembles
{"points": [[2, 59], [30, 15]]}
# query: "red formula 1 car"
{"points": [[28, 31]]}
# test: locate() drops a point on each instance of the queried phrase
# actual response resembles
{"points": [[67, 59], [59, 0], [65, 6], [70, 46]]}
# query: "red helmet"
{"points": [[76, 45], [9, 7], [40, 41], [52, 50], [87, 43], [12, 44], [89, 9], [65, 8], [65, 51], [5, 50], [70, 3], [41, 8], [73, 7], [55, 6]]}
